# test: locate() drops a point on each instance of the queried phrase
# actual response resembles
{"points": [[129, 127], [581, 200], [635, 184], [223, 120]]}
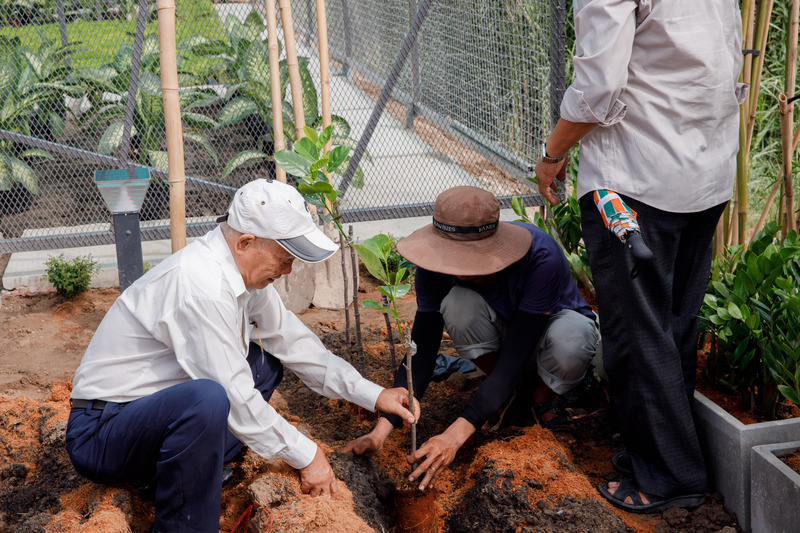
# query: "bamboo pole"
{"points": [[786, 144], [291, 62], [776, 187], [764, 15], [278, 142], [786, 129], [172, 119], [324, 68]]}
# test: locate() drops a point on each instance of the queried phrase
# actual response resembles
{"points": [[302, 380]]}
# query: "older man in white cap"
{"points": [[171, 385]]}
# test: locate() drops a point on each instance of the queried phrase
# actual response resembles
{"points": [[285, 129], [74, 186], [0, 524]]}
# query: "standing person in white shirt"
{"points": [[655, 104], [178, 374]]}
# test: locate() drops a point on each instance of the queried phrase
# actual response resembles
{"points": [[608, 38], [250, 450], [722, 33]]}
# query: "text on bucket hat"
{"points": [[466, 237], [270, 209]]}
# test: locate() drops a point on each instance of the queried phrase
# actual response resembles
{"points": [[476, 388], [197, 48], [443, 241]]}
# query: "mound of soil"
{"points": [[519, 478]]}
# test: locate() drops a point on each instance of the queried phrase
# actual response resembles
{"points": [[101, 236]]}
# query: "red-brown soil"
{"points": [[517, 479]]}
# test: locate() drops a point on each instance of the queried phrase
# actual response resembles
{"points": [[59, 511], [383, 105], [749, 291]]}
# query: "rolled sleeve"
{"points": [[604, 31]]}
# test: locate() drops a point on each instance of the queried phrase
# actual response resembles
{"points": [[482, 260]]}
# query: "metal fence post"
{"points": [[557, 58]]}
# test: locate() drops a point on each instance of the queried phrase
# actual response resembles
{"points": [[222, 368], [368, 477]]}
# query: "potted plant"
{"points": [[750, 311]]}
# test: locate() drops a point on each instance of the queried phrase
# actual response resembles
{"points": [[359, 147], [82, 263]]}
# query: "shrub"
{"points": [[71, 276], [751, 308]]}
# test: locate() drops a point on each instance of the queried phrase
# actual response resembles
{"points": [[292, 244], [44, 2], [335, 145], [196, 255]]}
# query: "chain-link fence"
{"points": [[473, 97]]}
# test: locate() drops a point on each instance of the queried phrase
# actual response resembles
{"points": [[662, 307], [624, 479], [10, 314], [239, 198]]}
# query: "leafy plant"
{"points": [[31, 87], [751, 310], [379, 255], [566, 231], [71, 276], [243, 60], [107, 88], [312, 167]]}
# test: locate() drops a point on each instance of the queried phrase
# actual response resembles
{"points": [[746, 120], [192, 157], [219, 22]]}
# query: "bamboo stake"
{"points": [[278, 142], [385, 303], [764, 15], [324, 68], [786, 141], [786, 130], [172, 119], [748, 9], [291, 63], [776, 186]]}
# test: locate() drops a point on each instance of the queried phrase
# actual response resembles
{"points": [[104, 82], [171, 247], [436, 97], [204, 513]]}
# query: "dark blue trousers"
{"points": [[179, 436], [649, 328]]}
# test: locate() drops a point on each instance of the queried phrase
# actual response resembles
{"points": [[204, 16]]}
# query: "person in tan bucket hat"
{"points": [[504, 293]]}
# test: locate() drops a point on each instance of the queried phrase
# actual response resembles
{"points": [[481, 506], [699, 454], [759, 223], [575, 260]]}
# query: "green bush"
{"points": [[71, 276], [751, 309]]}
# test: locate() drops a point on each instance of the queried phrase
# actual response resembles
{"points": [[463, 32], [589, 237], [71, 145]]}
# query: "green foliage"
{"points": [[379, 255], [243, 61], [751, 308], [148, 131], [31, 86], [71, 276], [312, 166]]}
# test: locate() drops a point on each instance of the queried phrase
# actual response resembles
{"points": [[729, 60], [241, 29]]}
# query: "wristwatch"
{"points": [[552, 160]]}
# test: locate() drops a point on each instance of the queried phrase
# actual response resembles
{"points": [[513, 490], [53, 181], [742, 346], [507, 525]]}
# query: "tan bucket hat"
{"points": [[466, 237]]}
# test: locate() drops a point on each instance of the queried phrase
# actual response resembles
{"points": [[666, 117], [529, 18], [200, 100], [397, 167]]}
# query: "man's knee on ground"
{"points": [[209, 400]]}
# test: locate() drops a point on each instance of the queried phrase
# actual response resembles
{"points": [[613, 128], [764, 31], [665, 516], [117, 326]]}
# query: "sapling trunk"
{"points": [[410, 351], [343, 248], [385, 302], [358, 348]]}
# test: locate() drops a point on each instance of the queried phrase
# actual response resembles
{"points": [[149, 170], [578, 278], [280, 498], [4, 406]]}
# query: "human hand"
{"points": [[371, 443], [549, 178], [318, 479], [438, 452], [395, 401]]}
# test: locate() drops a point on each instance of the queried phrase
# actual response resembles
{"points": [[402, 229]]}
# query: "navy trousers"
{"points": [[179, 436], [649, 328]]}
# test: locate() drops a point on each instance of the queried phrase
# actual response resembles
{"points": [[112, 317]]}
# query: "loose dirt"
{"points": [[517, 479]]}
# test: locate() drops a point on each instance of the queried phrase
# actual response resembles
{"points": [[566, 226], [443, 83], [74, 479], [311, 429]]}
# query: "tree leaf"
{"points": [[293, 163], [240, 159]]}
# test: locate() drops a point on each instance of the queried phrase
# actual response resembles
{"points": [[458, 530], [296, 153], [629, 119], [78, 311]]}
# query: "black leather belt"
{"points": [[97, 405]]}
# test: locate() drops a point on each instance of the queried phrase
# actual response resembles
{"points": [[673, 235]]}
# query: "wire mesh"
{"points": [[80, 89]]}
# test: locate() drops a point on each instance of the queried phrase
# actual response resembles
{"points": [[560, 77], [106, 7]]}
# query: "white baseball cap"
{"points": [[273, 210]]}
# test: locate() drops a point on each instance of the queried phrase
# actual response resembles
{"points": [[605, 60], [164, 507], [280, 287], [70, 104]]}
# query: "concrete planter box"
{"points": [[775, 490], [727, 444]]}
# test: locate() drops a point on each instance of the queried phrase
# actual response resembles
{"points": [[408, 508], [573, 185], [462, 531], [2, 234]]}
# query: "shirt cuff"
{"points": [[366, 394], [575, 108], [301, 454]]}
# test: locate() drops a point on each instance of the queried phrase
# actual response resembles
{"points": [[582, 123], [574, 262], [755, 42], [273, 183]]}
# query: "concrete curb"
{"points": [[775, 490]]}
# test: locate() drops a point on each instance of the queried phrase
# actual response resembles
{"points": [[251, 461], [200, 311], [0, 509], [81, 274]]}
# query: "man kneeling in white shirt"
{"points": [[171, 385]]}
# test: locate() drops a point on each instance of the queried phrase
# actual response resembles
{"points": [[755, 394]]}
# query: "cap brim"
{"points": [[428, 249], [313, 247]]}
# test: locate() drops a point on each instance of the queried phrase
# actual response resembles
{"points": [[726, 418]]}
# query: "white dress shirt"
{"points": [[190, 317], [660, 78]]}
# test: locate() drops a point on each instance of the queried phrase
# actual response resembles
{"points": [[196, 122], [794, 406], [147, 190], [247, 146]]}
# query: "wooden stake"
{"points": [[385, 303], [172, 120], [278, 142], [324, 68], [342, 248], [786, 143], [292, 64]]}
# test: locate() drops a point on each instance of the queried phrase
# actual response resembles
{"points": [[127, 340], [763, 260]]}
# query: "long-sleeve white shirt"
{"points": [[660, 78], [189, 318]]}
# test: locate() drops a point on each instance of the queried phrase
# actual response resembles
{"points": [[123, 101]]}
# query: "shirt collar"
{"points": [[217, 242]]}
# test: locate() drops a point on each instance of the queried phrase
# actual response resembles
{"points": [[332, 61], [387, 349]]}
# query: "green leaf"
{"points": [[372, 304], [337, 156], [371, 261], [158, 159], [240, 159], [235, 111], [311, 133], [22, 173], [111, 139], [37, 152], [790, 394], [306, 148], [734, 310], [293, 163], [204, 142]]}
